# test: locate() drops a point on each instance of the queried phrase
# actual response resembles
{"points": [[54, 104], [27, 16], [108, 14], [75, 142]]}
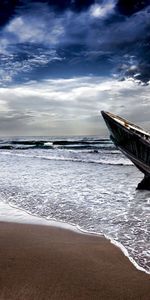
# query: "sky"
{"points": [[63, 61]]}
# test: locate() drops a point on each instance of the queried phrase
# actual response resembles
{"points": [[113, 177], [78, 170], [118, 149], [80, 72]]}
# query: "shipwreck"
{"points": [[133, 141]]}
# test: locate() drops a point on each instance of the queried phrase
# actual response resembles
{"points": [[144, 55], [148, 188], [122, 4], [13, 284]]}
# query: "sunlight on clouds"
{"points": [[60, 106], [102, 10], [4, 108]]}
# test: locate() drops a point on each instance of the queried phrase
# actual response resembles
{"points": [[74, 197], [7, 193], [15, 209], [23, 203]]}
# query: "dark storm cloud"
{"points": [[42, 39], [8, 8], [129, 7]]}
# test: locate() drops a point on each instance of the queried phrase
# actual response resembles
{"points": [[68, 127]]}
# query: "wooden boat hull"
{"points": [[133, 141]]}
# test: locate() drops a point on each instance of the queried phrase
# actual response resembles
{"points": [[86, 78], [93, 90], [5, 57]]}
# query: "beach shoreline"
{"points": [[14, 214], [47, 262]]}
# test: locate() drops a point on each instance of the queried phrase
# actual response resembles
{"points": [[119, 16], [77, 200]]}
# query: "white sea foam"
{"points": [[15, 215], [60, 157], [48, 144], [64, 185], [117, 244]]}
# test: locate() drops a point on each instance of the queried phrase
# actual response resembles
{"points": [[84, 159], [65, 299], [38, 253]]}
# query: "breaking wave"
{"points": [[91, 150], [93, 144]]}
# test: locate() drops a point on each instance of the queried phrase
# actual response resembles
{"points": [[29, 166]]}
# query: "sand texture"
{"points": [[44, 262]]}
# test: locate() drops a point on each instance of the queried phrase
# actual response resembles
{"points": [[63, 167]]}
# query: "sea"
{"points": [[81, 181]]}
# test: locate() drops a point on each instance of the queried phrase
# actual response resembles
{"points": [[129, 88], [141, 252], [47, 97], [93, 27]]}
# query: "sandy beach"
{"points": [[44, 262]]}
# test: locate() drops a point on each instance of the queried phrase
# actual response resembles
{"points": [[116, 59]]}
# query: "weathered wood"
{"points": [[133, 141]]}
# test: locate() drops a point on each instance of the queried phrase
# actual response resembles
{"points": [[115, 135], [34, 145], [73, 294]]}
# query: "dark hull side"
{"points": [[132, 144]]}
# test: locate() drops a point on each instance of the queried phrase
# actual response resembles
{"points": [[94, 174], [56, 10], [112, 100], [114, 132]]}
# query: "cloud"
{"points": [[39, 27], [75, 38], [61, 62], [103, 9], [22, 60], [70, 106], [41, 24], [129, 8]]}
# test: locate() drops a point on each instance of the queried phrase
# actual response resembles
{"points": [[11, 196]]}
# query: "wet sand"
{"points": [[43, 262]]}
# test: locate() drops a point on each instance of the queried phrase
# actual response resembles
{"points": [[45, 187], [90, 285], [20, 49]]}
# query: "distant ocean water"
{"points": [[83, 181]]}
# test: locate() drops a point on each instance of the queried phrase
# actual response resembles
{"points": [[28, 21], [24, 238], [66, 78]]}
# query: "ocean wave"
{"points": [[90, 148], [117, 162], [100, 162], [68, 144]]}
